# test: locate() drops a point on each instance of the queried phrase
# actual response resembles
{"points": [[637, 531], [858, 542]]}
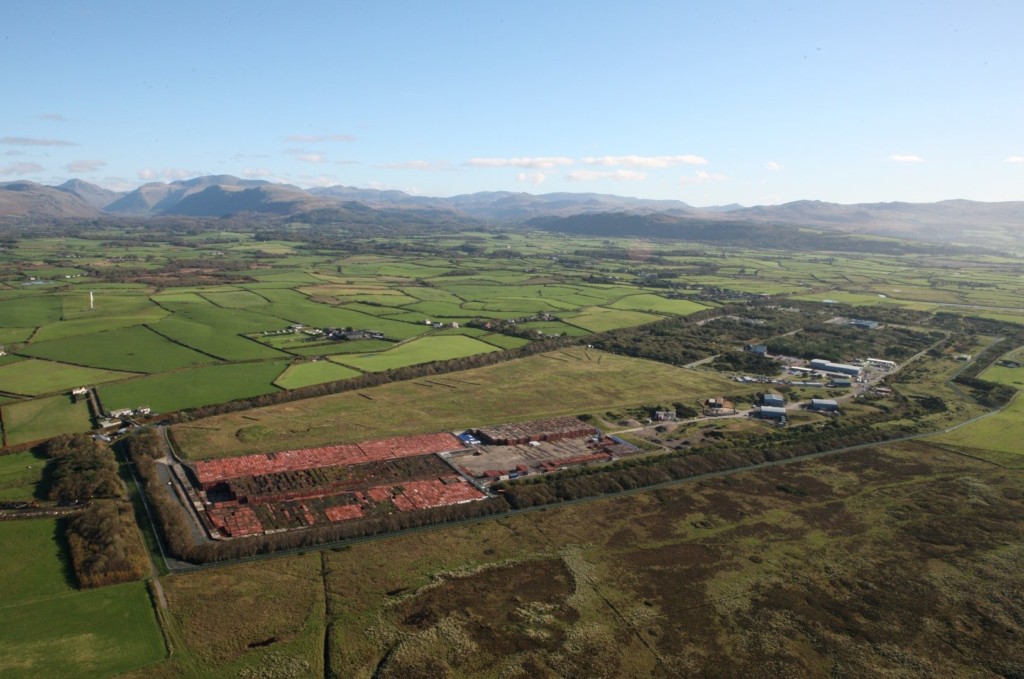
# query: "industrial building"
{"points": [[881, 363], [824, 405], [840, 382], [864, 323], [830, 367], [770, 398], [772, 413], [518, 433]]}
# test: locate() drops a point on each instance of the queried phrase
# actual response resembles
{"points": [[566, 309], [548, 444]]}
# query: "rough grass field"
{"points": [[421, 350], [40, 377], [194, 387], [259, 620], [902, 561], [560, 383], [44, 418], [52, 629]]}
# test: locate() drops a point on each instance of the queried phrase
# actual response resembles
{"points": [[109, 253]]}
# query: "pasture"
{"points": [[56, 630], [43, 418], [20, 476], [135, 349], [313, 372], [425, 349], [189, 388], [33, 377]]}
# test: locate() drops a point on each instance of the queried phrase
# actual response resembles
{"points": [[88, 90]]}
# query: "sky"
{"points": [[706, 102]]}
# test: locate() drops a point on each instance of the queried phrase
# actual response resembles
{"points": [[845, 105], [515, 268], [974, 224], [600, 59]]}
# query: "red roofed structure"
{"points": [[210, 472]]}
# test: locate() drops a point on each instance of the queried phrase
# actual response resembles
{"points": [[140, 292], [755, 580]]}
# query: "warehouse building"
{"points": [[772, 413], [770, 398], [518, 433], [824, 405], [830, 367]]}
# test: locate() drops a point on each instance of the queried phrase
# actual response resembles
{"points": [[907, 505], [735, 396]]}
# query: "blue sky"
{"points": [[705, 102]]}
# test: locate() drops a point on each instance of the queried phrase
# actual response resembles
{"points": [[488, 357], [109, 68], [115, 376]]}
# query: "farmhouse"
{"points": [[761, 349], [770, 398], [664, 415], [863, 323], [719, 406], [825, 405]]}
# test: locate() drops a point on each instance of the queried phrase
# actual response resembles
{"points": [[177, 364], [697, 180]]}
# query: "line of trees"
{"points": [[103, 539], [641, 472], [105, 545], [82, 469]]}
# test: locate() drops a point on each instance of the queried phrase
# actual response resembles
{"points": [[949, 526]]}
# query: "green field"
{"points": [[41, 377], [54, 630], [20, 474], [214, 336], [314, 372], [421, 350], [996, 437], [193, 387], [29, 311], [599, 319], [658, 304], [43, 418], [135, 349]]}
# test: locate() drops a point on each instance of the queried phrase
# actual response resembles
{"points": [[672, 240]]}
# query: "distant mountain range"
{"points": [[999, 225]]}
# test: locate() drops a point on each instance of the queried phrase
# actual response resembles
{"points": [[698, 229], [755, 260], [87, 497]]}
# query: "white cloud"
{"points": [[535, 178], [773, 166], [255, 172], [614, 175], [33, 141], [423, 165], [1014, 160], [899, 158], [13, 152], [702, 177], [84, 166], [168, 173], [55, 117], [646, 161], [318, 138], [318, 180], [311, 157], [20, 168], [539, 163], [173, 173]]}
